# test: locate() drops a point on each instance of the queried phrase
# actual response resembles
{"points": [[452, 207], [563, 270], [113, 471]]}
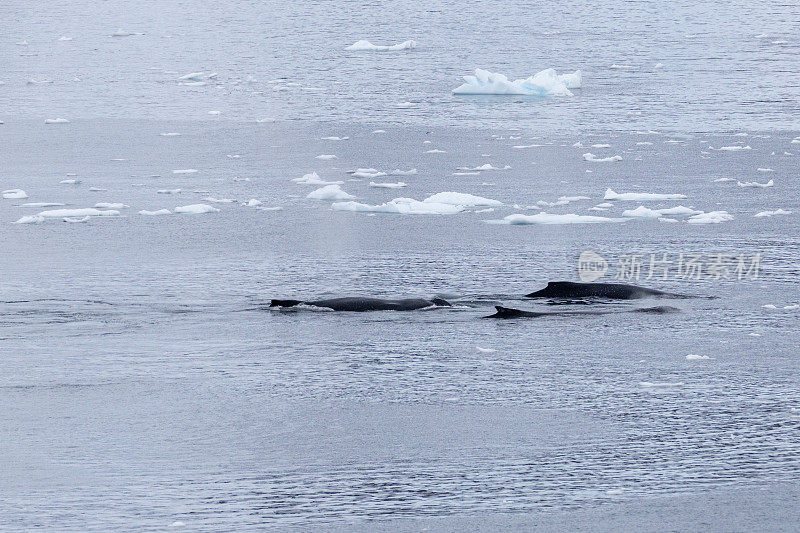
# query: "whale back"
{"points": [[571, 289]]}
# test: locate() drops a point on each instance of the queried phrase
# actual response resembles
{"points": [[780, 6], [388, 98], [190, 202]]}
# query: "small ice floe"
{"points": [[770, 306], [645, 212], [401, 206], [792, 307], [462, 199], [76, 220], [265, 120], [367, 173], [487, 210], [192, 76], [66, 213], [660, 384], [722, 180], [332, 138], [170, 134], [168, 191], [659, 65], [765, 170], [124, 33], [269, 208], [546, 82], [214, 113], [330, 192], [110, 205], [64, 38], [480, 168], [177, 523], [42, 204], [398, 185], [326, 157], [644, 143], [56, 121], [97, 189], [405, 105], [466, 173], [70, 182], [196, 209], [547, 218], [14, 194], [601, 146], [485, 350], [32, 81], [640, 196], [366, 46], [435, 151], [252, 202], [400, 172], [21, 43], [214, 200], [379, 131], [621, 67], [157, 212], [755, 184], [670, 220], [712, 217], [314, 179], [695, 357], [734, 148], [524, 146], [772, 213], [185, 171], [588, 156], [233, 156]]}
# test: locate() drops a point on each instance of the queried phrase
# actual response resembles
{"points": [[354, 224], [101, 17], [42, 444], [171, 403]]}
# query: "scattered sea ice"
{"points": [[485, 350], [108, 205], [214, 200], [41, 204], [712, 217], [364, 45], [56, 121], [591, 157], [462, 199], [399, 172], [70, 182], [640, 196], [772, 213], [546, 82], [547, 218], [168, 191], [155, 213], [333, 138], [253, 202], [402, 206], [368, 173], [185, 171], [755, 184], [734, 148], [397, 185], [326, 157], [314, 179], [695, 357]]}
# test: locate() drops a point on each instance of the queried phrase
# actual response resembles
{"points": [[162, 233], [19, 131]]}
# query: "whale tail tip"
{"points": [[284, 303]]}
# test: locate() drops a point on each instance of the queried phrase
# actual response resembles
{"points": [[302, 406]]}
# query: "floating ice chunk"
{"points": [[405, 105], [214, 112], [332, 138], [605, 204], [485, 350], [435, 151], [660, 384], [269, 208], [30, 219], [640, 196], [192, 76], [252, 202], [755, 184], [402, 206], [314, 179], [722, 180], [368, 173], [480, 168], [572, 198], [546, 82], [793, 306], [41, 204], [155, 213], [108, 205], [56, 121], [601, 146], [399, 172], [734, 148], [363, 45], [123, 33], [64, 38], [695, 357], [659, 65], [641, 212], [70, 182], [588, 156], [185, 171], [462, 199], [14, 194], [177, 523], [664, 219], [97, 189], [644, 143], [770, 306], [679, 211], [547, 218], [765, 170], [170, 134], [77, 220], [326, 157], [772, 213], [196, 209], [620, 67], [329, 192], [214, 200], [523, 146], [397, 185], [379, 131], [712, 217], [22, 43]]}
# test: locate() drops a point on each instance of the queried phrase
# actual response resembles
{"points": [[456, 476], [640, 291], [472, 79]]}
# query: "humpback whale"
{"points": [[359, 304], [508, 312], [614, 291]]}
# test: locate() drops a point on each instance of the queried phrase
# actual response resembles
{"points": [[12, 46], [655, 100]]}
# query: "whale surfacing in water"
{"points": [[614, 291], [361, 304], [509, 312]]}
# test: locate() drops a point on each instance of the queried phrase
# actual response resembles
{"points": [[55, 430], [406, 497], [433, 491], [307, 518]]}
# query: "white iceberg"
{"points": [[314, 179], [772, 213], [110, 205], [640, 196], [41, 204], [368, 173], [712, 217], [56, 121], [185, 171], [326, 157], [330, 192], [460, 198], [734, 148], [543, 83], [755, 184], [14, 194], [588, 156], [401, 206], [66, 213], [196, 209], [364, 45], [384, 185], [400, 172]]}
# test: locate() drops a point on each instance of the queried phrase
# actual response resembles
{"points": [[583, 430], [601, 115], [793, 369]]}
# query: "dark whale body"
{"points": [[361, 304], [614, 291], [508, 312]]}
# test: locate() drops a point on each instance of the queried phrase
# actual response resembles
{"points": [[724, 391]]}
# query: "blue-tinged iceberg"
{"points": [[543, 83]]}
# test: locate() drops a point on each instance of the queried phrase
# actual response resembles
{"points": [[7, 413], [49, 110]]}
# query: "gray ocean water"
{"points": [[145, 384]]}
